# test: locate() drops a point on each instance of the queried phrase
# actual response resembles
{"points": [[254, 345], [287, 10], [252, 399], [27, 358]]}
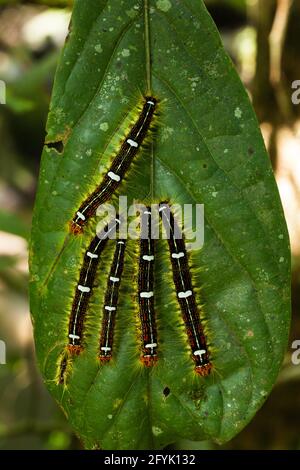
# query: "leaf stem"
{"points": [[147, 47], [148, 81]]}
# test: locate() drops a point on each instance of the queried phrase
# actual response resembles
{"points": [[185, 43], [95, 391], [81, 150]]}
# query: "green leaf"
{"points": [[208, 149]]}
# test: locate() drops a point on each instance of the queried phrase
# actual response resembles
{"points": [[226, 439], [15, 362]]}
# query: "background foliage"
{"points": [[261, 37]]}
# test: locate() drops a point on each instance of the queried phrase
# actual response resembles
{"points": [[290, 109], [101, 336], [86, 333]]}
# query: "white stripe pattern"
{"points": [[91, 255], [200, 352], [146, 295], [83, 288], [151, 345], [80, 215], [177, 255], [184, 295], [113, 176], [132, 143], [148, 257], [109, 308], [74, 336]]}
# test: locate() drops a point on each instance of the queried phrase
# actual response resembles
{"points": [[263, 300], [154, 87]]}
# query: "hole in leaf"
{"points": [[58, 146], [166, 391]]}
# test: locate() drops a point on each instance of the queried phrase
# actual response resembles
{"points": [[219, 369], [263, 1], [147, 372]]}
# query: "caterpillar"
{"points": [[146, 291], [111, 302], [119, 167], [185, 294]]}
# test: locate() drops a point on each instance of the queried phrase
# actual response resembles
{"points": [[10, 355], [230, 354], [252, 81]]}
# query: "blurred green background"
{"points": [[262, 37]]}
